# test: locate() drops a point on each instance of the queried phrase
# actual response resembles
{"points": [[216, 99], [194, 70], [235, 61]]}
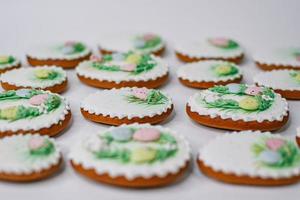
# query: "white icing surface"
{"points": [[86, 69], [15, 156], [203, 49], [80, 155], [276, 56], [50, 51], [276, 112], [10, 65], [202, 72], [277, 79], [35, 123], [124, 42], [113, 103], [25, 77], [231, 153]]}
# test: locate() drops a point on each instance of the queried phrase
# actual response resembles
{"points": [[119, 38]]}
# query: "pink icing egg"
{"points": [[146, 135], [149, 36], [95, 58], [70, 43], [253, 90], [298, 58], [141, 93], [275, 143], [222, 42], [128, 67], [38, 99], [36, 143]]}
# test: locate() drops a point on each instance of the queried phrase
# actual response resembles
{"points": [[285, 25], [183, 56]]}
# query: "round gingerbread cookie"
{"points": [[210, 49], [278, 58], [239, 107], [33, 111], [8, 62], [206, 74], [66, 55], [144, 43], [123, 70], [126, 106], [134, 155], [251, 158], [50, 78], [285, 82], [28, 157]]}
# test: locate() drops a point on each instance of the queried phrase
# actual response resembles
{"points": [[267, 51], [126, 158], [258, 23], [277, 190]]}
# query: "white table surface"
{"points": [[255, 24]]}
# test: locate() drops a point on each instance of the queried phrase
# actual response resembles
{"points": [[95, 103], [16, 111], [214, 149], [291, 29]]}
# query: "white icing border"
{"points": [[86, 107], [130, 172], [97, 75], [238, 172], [183, 72], [7, 77], [36, 168]]}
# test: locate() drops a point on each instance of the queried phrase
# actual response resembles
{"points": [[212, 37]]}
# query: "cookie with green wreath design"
{"points": [[132, 156], [33, 111], [123, 70], [285, 82], [239, 107], [8, 62], [64, 54], [127, 105], [144, 43], [49, 78], [207, 74], [214, 48], [256, 158], [29, 157], [278, 58]]}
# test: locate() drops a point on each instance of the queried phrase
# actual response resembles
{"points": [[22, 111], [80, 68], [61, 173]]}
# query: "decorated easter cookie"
{"points": [[66, 55], [251, 158], [8, 62], [32, 111], [146, 43], [28, 157], [278, 58], [132, 156], [212, 48], [127, 105], [298, 136], [207, 74], [123, 70], [285, 82], [238, 107], [51, 78]]}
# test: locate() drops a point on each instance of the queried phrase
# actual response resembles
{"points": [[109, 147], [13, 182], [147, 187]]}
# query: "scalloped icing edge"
{"points": [[147, 174], [37, 169], [255, 80], [296, 172], [136, 78], [11, 65], [51, 122], [215, 80], [112, 115], [195, 108], [56, 82], [278, 64]]}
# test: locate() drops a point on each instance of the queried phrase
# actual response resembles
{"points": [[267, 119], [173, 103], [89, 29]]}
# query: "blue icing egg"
{"points": [[269, 157], [118, 56], [121, 134], [139, 43], [23, 92], [67, 50], [233, 87]]}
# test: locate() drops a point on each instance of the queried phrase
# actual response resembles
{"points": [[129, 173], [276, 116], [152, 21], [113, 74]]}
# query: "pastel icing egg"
{"points": [[269, 157], [223, 69], [9, 113], [142, 155], [118, 56], [38, 99], [36, 143], [233, 87], [253, 90], [139, 43], [23, 92], [249, 103], [219, 42], [133, 58], [146, 135], [275, 143], [141, 93], [42, 73], [67, 50], [297, 77], [121, 134], [4, 59], [128, 67]]}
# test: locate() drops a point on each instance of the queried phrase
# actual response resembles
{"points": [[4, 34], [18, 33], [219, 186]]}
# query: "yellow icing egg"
{"points": [[297, 77], [223, 69], [133, 59], [9, 113], [42, 73], [142, 155], [249, 103], [4, 59]]}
